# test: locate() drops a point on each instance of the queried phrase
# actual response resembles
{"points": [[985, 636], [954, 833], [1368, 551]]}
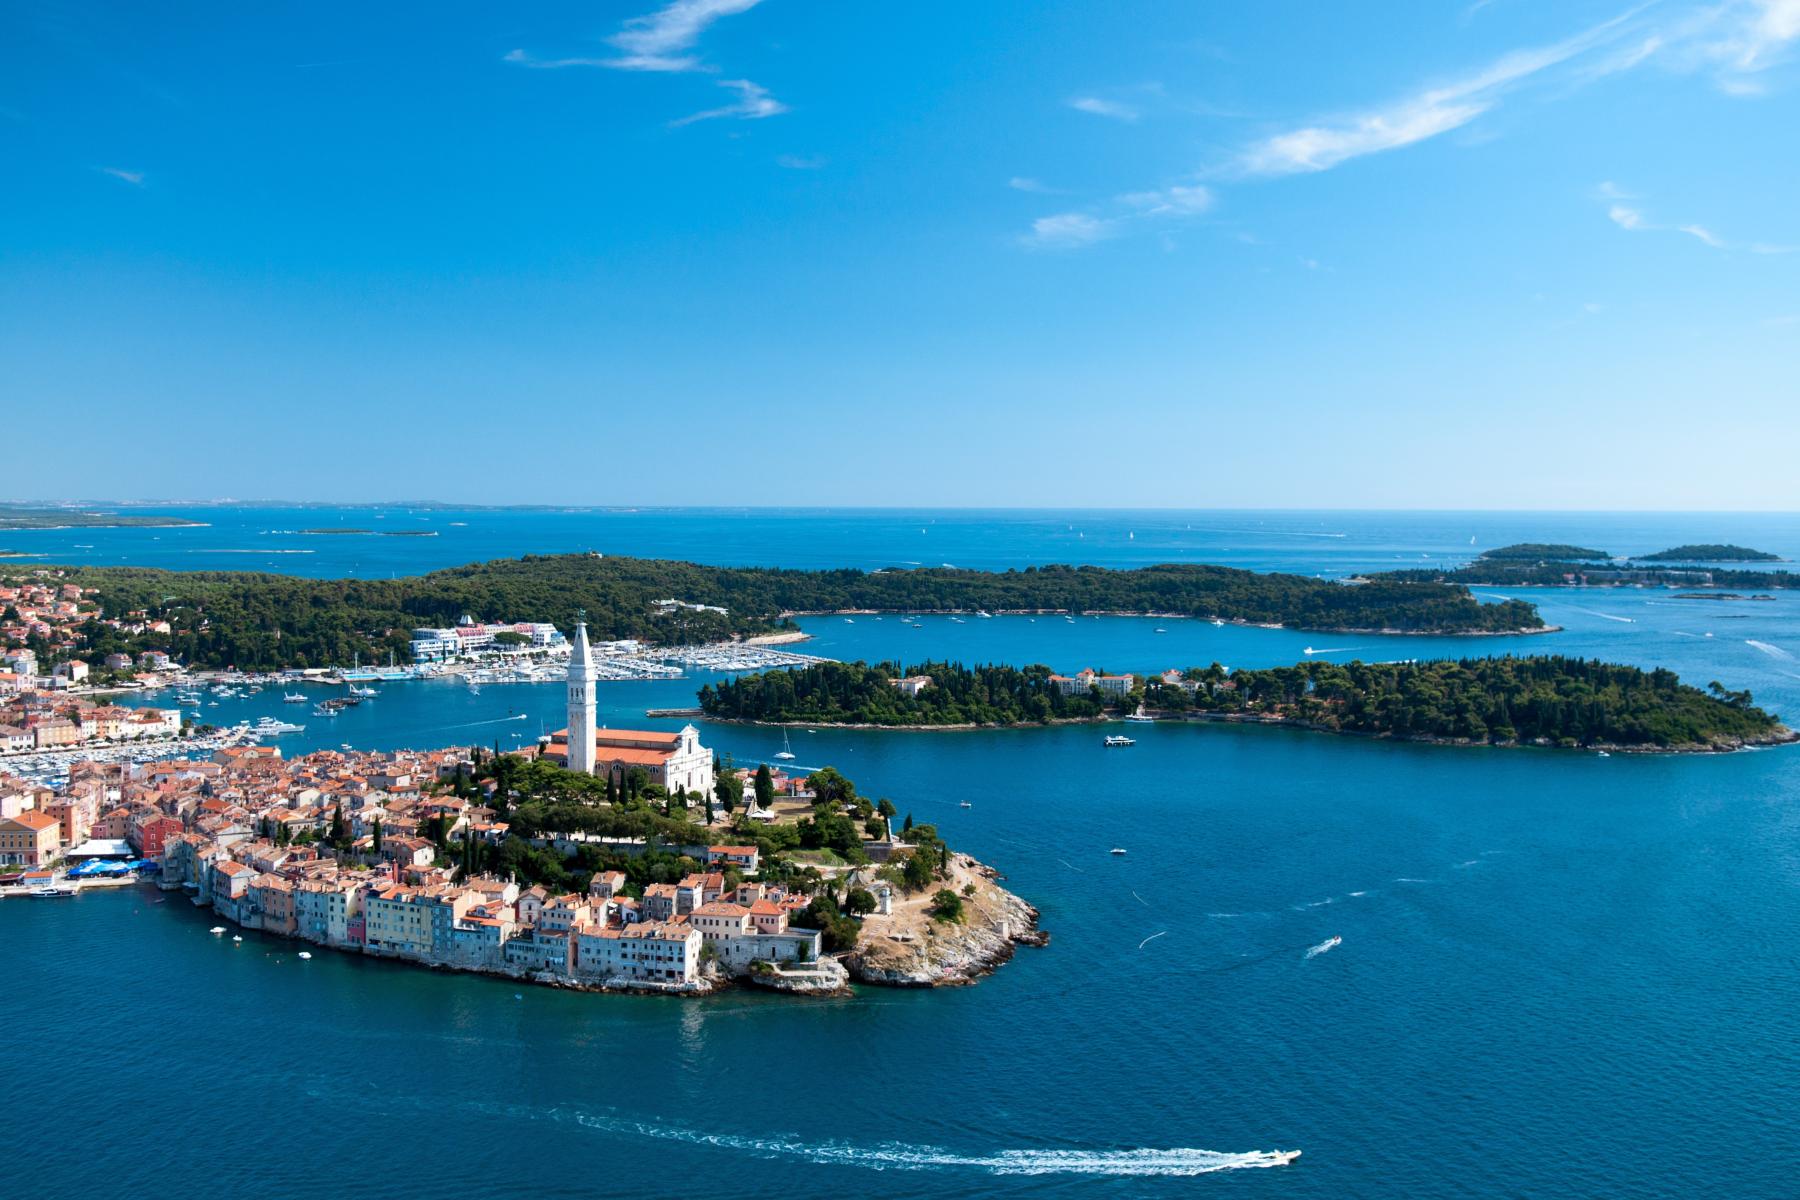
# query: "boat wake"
{"points": [[1324, 946], [1594, 613], [1771, 651], [897, 1156], [1309, 651]]}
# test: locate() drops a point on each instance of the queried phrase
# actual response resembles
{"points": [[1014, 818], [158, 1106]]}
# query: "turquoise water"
{"points": [[1331, 543], [1559, 975]]}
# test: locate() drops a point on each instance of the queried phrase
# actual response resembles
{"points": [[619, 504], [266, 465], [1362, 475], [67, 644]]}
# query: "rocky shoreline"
{"points": [[908, 949], [1780, 736]]}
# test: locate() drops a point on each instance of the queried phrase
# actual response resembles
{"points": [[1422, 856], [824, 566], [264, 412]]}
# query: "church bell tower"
{"points": [[582, 715]]}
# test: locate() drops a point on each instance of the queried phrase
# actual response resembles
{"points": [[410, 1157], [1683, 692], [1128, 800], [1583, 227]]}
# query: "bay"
{"points": [[1559, 975]]}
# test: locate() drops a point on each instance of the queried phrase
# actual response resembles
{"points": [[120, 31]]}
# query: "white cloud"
{"points": [[1173, 201], [659, 41], [1019, 183], [1104, 108], [801, 162], [1133, 209], [753, 103], [1066, 231], [1414, 118], [1633, 220], [1760, 34], [134, 178]]}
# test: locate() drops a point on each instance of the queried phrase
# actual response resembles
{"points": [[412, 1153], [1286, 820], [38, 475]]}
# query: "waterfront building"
{"points": [[1088, 680], [30, 839], [648, 952]]}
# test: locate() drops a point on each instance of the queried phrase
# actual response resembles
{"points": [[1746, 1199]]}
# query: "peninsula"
{"points": [[265, 622], [15, 516], [1541, 701]]}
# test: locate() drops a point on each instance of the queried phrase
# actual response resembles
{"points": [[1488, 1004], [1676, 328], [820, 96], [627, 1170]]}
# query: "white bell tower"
{"points": [[582, 715]]}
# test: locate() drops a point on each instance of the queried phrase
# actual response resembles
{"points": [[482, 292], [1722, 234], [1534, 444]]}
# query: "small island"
{"points": [[1543, 552], [1545, 564], [1711, 553], [1540, 701]]}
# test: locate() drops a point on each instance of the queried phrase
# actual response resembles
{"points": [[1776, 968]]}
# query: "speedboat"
{"points": [[216, 929], [1605, 754], [1117, 850], [306, 954], [1119, 739], [294, 697], [237, 937], [966, 804], [1220, 624]]}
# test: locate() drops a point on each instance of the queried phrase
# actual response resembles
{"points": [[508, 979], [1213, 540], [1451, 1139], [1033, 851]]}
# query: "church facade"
{"points": [[674, 761]]}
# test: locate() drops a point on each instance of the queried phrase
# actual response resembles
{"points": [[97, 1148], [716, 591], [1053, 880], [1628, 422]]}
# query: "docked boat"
{"points": [[1119, 739], [1139, 716], [363, 691], [51, 893]]}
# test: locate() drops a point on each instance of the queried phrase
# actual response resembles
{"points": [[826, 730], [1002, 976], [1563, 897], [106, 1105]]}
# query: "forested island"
{"points": [[256, 621], [1547, 701], [1542, 564], [1710, 553], [18, 516], [1542, 551]]}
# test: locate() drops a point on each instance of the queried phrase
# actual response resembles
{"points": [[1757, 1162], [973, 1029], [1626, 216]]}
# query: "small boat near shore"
{"points": [[1119, 739]]}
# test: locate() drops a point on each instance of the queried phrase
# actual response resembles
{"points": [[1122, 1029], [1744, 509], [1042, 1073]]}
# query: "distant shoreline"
{"points": [[1161, 616]]}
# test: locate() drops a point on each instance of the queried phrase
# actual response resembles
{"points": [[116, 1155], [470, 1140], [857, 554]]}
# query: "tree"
{"points": [[860, 902], [765, 787], [375, 837], [829, 786], [946, 905]]}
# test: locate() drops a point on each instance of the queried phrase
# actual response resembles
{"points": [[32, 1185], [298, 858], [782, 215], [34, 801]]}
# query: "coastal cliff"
{"points": [[910, 948]]}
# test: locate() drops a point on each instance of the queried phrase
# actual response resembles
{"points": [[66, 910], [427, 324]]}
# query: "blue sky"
{"points": [[1486, 255]]}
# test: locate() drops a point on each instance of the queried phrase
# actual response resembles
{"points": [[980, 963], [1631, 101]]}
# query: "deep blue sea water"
{"points": [[1560, 975]]}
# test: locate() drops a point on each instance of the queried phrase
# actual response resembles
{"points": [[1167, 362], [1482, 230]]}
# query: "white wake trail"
{"points": [[1771, 651], [1181, 1161], [1324, 946]]}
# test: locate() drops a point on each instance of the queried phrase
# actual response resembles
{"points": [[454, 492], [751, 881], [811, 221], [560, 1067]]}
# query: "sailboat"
{"points": [[786, 753]]}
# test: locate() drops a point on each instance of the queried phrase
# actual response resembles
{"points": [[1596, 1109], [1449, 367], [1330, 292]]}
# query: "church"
{"points": [[673, 761]]}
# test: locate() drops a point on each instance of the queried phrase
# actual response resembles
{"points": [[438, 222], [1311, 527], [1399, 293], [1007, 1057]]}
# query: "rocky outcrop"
{"points": [[909, 948], [827, 977]]}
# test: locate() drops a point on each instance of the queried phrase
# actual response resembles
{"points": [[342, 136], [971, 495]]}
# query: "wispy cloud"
{"points": [[1414, 118], [660, 41], [1115, 109], [1020, 183], [801, 162], [1173, 201], [1154, 209], [753, 103], [1068, 231], [664, 41], [1632, 219], [134, 178]]}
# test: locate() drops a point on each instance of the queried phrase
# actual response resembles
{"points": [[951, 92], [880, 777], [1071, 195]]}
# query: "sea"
{"points": [[1437, 972]]}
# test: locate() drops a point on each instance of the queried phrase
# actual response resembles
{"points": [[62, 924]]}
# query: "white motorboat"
{"points": [[1117, 850], [294, 697], [216, 929], [306, 954], [1119, 739]]}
